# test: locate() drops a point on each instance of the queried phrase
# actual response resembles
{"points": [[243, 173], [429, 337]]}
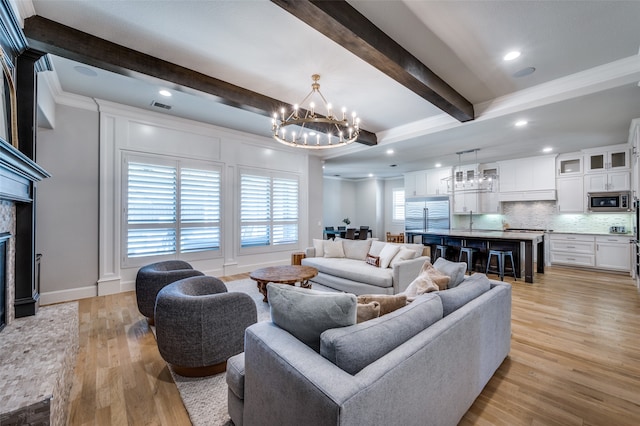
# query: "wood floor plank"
{"points": [[574, 360]]}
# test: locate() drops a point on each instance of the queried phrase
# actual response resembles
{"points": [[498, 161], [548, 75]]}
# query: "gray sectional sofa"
{"points": [[350, 273], [423, 364]]}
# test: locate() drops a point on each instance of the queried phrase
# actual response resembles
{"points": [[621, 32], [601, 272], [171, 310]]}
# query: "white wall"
{"points": [[339, 202], [67, 204], [79, 206]]}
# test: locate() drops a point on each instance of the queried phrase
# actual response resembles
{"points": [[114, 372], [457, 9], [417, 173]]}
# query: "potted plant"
{"points": [[346, 221]]}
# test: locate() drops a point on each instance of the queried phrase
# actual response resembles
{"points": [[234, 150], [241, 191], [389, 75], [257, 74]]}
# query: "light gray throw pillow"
{"points": [[454, 270], [356, 249], [471, 287], [306, 313]]}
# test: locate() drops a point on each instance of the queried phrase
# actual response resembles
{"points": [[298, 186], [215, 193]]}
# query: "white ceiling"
{"points": [[584, 92]]}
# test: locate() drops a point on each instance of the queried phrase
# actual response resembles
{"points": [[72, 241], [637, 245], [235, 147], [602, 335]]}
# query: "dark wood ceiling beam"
{"points": [[343, 24], [51, 37]]}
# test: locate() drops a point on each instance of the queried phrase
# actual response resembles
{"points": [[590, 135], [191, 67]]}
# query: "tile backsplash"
{"points": [[544, 215]]}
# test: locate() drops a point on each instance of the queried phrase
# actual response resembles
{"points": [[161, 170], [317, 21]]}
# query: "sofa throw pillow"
{"points": [[373, 260], [376, 247], [356, 249], [306, 313], [455, 270], [367, 311], [318, 245], [353, 348], [471, 287], [388, 302], [417, 248], [403, 254], [429, 279], [333, 249], [387, 254]]}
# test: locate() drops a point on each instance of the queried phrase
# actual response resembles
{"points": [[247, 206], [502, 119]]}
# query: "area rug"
{"points": [[205, 398]]}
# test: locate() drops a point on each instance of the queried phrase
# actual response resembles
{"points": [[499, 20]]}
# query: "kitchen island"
{"points": [[486, 240]]}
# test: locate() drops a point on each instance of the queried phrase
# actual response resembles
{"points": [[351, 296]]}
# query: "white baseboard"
{"points": [[51, 297]]}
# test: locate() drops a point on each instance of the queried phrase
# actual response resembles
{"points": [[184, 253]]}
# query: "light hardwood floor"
{"points": [[574, 360]]}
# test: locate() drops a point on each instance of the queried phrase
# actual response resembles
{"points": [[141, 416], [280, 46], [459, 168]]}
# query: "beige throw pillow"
{"points": [[388, 302], [429, 279], [333, 249], [367, 311]]}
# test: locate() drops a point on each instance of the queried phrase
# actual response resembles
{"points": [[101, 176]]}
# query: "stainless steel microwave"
{"points": [[610, 201]]}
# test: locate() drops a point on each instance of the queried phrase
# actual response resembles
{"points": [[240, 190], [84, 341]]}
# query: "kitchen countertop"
{"points": [[607, 234], [532, 236]]}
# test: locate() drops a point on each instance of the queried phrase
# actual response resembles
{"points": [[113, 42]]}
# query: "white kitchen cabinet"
{"points": [[610, 252], [465, 202], [572, 249], [613, 252], [569, 164], [571, 196], [607, 159], [528, 179], [613, 181], [415, 184], [437, 180]]}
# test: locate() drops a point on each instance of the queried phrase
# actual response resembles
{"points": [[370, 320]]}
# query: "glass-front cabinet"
{"points": [[569, 164], [615, 158]]}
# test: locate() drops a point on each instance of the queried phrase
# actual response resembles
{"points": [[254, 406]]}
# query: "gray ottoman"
{"points": [[152, 278], [199, 325]]}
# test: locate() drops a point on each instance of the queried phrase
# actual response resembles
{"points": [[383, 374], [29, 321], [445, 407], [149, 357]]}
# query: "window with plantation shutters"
{"points": [[398, 205], [268, 210], [170, 207]]}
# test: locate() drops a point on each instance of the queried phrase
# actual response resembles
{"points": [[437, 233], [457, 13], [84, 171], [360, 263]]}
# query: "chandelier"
{"points": [[312, 130]]}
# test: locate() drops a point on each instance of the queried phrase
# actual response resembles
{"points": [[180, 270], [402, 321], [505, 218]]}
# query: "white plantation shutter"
{"points": [[170, 209], [199, 210], [398, 204], [285, 211], [268, 210], [151, 209], [255, 210]]}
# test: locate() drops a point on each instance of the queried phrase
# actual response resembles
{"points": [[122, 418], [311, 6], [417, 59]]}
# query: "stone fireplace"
{"points": [[7, 261], [18, 175]]}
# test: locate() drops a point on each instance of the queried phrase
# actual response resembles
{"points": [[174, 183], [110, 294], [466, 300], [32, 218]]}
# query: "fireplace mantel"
{"points": [[17, 172]]}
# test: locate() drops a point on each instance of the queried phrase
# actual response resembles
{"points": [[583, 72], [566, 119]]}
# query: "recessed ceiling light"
{"points": [[521, 123], [511, 55], [547, 149], [164, 92], [524, 72], [389, 151], [438, 165], [85, 71], [370, 174]]}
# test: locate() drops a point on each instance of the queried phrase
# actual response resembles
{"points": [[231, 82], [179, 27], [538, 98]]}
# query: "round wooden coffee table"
{"points": [[283, 275]]}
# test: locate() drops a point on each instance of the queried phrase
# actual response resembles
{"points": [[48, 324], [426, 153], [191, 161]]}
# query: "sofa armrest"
{"points": [[310, 252], [406, 271], [287, 382]]}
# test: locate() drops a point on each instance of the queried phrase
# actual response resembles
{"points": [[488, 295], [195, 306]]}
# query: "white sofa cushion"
{"points": [[355, 270], [387, 254], [333, 249], [318, 245], [403, 254], [356, 249]]}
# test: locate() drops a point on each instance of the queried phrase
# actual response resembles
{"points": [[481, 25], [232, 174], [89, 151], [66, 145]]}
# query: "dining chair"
{"points": [[351, 234]]}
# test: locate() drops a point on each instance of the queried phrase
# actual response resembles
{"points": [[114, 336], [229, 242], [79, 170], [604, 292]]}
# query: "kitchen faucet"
{"points": [[470, 220]]}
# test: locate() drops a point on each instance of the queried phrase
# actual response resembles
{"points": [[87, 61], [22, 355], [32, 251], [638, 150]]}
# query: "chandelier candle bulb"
{"points": [[303, 118]]}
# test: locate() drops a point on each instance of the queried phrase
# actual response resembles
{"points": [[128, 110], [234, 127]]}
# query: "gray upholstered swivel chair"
{"points": [[199, 325], [152, 278]]}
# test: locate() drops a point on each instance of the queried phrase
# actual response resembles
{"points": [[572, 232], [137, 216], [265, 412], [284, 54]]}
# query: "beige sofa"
{"points": [[342, 265]]}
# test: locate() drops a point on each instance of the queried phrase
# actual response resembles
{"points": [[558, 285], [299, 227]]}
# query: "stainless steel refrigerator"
{"points": [[426, 214]]}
